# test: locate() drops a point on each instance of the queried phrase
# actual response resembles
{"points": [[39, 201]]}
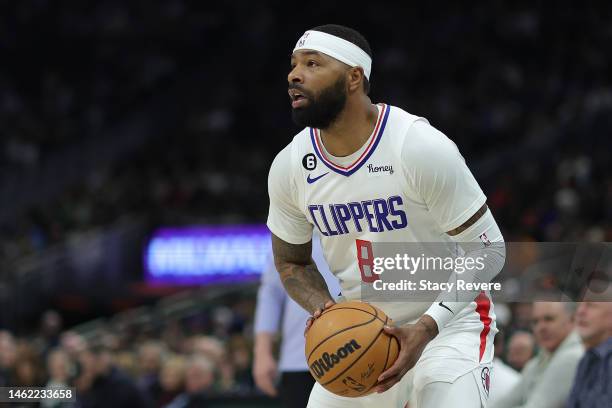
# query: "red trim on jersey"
{"points": [[483, 306], [381, 115]]}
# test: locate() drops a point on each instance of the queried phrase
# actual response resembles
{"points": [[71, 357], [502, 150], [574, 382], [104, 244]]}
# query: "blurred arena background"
{"points": [[131, 128]]}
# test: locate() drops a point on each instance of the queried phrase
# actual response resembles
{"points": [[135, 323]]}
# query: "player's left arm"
{"points": [[438, 173]]}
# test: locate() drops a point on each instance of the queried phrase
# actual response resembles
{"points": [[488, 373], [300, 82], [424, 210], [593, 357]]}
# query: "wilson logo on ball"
{"points": [[328, 360]]}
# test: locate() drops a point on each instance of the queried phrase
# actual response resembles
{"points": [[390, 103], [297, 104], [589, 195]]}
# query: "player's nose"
{"points": [[295, 76]]}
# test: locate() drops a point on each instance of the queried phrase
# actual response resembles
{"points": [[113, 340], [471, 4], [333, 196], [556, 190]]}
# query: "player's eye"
{"points": [[312, 63]]}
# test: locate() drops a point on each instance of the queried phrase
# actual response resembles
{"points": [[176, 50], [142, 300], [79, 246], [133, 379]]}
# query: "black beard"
{"points": [[322, 110]]}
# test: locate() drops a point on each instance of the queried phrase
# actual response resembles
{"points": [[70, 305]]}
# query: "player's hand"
{"points": [[412, 340], [264, 373], [317, 313]]}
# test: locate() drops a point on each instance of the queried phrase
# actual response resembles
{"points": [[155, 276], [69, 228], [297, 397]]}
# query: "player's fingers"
{"points": [[395, 369], [317, 313], [390, 372], [393, 331], [388, 383], [329, 304], [383, 386], [308, 324]]}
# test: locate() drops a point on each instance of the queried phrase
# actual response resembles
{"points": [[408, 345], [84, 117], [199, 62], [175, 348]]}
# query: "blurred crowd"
{"points": [[208, 355], [524, 92], [526, 104], [169, 363], [84, 67]]}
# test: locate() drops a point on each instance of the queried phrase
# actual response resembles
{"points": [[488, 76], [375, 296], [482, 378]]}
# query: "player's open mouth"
{"points": [[297, 99]]}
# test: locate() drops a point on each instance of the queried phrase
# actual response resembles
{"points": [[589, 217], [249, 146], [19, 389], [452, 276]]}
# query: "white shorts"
{"points": [[396, 397], [455, 366], [468, 391], [471, 390]]}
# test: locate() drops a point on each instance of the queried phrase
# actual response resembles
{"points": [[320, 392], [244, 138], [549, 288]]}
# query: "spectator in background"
{"points": [[73, 344], [521, 316], [274, 305], [84, 375], [520, 349], [199, 381], [150, 356], [593, 384], [171, 380], [240, 357], [50, 327], [59, 371], [8, 356], [110, 387], [28, 372], [546, 380], [126, 361], [214, 350], [504, 377]]}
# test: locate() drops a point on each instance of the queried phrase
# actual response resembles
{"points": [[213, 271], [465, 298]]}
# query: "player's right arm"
{"points": [[299, 274], [292, 239]]}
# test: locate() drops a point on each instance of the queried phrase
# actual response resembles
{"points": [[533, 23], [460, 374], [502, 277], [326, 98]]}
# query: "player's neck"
{"points": [[351, 129]]}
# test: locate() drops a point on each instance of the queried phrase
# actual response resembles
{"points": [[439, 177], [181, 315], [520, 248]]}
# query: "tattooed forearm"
{"points": [[305, 285], [300, 276]]}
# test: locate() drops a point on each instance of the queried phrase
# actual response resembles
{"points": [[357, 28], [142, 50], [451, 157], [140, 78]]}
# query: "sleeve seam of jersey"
{"points": [[465, 215], [280, 233], [408, 178]]}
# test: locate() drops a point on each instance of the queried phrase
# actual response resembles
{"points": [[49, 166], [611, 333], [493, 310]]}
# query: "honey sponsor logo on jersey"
{"points": [[380, 170]]}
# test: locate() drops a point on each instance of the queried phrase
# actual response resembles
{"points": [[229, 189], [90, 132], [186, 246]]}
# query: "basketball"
{"points": [[347, 349]]}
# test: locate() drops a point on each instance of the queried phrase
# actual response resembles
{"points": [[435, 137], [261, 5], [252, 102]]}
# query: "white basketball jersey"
{"points": [[408, 183]]}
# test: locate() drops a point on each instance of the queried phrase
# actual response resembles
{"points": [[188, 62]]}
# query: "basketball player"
{"points": [[362, 173]]}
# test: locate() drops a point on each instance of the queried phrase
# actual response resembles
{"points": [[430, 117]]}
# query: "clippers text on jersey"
{"points": [[375, 215]]}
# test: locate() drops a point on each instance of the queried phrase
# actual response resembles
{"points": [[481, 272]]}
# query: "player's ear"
{"points": [[355, 79]]}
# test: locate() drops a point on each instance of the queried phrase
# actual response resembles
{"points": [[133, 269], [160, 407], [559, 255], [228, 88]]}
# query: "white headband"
{"points": [[337, 48]]}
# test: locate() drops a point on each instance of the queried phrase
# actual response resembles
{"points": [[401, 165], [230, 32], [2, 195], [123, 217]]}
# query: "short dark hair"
{"points": [[350, 35]]}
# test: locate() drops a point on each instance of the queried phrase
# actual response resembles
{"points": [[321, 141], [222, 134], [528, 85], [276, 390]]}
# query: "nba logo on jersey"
{"points": [[485, 376], [485, 240]]}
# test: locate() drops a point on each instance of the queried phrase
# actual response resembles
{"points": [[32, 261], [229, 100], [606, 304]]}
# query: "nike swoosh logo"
{"points": [[312, 180], [446, 307]]}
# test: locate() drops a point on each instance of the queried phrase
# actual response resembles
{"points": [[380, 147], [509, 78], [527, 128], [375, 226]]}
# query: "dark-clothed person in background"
{"points": [[150, 357], [593, 384], [106, 385]]}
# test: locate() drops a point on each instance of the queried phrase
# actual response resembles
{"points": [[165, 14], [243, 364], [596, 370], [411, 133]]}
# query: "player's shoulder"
{"points": [[400, 116], [420, 135], [420, 140], [286, 157], [407, 130], [401, 124]]}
